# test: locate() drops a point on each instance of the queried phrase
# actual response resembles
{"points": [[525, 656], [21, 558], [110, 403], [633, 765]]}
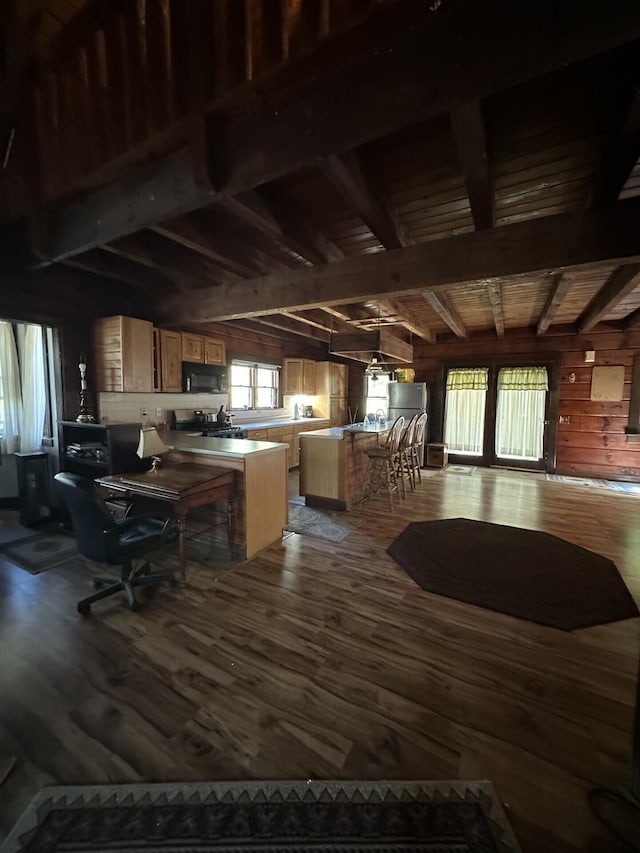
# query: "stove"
{"points": [[225, 432], [203, 421]]}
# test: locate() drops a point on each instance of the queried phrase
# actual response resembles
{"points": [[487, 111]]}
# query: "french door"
{"points": [[498, 415]]}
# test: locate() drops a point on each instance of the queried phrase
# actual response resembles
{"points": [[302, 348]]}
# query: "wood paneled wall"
{"points": [[593, 441]]}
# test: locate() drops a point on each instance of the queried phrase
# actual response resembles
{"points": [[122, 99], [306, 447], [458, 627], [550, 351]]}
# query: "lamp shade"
{"points": [[150, 443]]}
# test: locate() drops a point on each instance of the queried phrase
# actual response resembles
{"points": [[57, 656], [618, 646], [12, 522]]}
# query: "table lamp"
{"points": [[151, 446]]}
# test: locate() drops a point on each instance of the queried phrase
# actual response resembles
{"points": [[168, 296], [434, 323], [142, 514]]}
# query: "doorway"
{"points": [[499, 414]]}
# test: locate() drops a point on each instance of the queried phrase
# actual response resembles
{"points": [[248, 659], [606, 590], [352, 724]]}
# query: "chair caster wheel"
{"points": [[84, 609]]}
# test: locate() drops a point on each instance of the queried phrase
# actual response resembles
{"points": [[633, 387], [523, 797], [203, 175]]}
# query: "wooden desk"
{"points": [[185, 486]]}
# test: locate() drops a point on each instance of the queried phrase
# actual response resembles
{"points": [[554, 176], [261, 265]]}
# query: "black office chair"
{"points": [[103, 538]]}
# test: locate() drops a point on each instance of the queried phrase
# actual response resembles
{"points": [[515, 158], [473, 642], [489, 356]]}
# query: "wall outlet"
{"points": [[158, 412], [564, 419]]}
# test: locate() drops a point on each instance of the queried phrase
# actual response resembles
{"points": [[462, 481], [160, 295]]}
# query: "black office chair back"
{"points": [[89, 514]]}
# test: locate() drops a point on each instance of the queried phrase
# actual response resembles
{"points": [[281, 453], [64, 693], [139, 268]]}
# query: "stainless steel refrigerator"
{"points": [[407, 399]]}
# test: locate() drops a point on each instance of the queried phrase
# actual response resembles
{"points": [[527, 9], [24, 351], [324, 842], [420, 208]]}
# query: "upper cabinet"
{"points": [[215, 351], [170, 360], [192, 347], [331, 379], [299, 376], [203, 350], [123, 349]]}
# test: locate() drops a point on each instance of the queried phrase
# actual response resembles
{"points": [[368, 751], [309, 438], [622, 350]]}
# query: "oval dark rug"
{"points": [[524, 573]]}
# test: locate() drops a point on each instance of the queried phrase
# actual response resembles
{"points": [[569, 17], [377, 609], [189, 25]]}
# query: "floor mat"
{"points": [[317, 816], [315, 522], [41, 551], [524, 573]]}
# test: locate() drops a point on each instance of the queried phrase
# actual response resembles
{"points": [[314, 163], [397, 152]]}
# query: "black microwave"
{"points": [[204, 378]]}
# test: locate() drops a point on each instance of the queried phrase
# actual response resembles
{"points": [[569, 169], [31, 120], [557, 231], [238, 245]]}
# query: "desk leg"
{"points": [[182, 547], [231, 526]]}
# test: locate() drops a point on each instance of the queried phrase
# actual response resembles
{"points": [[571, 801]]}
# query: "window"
{"points": [[25, 393], [378, 393], [254, 386], [464, 410], [522, 395]]}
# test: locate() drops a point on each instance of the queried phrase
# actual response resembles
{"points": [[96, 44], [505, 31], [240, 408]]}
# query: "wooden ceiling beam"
{"points": [[469, 131], [522, 248], [120, 269], [278, 221], [395, 308], [178, 263], [191, 232], [341, 312], [256, 327], [295, 327], [157, 191], [620, 283], [293, 118], [620, 155], [318, 320], [441, 303], [346, 174], [494, 291], [632, 321], [559, 289]]}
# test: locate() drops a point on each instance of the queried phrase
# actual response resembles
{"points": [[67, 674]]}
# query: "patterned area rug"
{"points": [[613, 485], [314, 522], [227, 817], [41, 551]]}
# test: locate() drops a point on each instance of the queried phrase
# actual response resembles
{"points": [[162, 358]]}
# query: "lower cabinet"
{"points": [[286, 434]]}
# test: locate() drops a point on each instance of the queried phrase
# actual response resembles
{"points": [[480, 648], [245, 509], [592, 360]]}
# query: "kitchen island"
{"points": [[333, 463], [261, 508]]}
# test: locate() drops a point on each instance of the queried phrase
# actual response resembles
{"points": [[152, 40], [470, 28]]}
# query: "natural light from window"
{"points": [[254, 386], [378, 394]]}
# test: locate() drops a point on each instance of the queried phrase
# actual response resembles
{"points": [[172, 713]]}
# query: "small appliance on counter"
{"points": [[307, 411], [205, 422]]}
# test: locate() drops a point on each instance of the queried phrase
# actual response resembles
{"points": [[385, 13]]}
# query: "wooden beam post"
{"points": [[620, 283]]}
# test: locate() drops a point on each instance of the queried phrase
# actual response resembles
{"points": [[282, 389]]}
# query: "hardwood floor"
{"points": [[317, 660]]}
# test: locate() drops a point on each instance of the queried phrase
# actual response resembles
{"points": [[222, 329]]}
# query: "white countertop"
{"points": [[232, 448], [342, 431], [276, 423]]}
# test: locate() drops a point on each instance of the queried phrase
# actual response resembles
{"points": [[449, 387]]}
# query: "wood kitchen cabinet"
{"points": [[215, 351], [202, 350], [123, 352], [299, 376], [283, 435], [331, 391], [170, 346], [192, 347]]}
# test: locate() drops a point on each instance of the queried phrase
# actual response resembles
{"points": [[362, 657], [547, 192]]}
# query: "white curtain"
{"points": [[33, 388], [11, 397], [522, 393], [464, 410]]}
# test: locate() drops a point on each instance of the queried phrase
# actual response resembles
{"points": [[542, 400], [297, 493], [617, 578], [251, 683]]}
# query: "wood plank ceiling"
{"points": [[309, 166]]}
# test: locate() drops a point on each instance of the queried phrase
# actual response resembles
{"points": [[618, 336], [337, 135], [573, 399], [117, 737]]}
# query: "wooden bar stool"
{"points": [[405, 457], [382, 465], [415, 451]]}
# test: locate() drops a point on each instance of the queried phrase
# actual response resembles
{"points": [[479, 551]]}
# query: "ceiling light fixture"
{"points": [[376, 366]]}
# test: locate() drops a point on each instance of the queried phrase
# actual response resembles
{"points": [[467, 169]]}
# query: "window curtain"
{"points": [[11, 397], [33, 387], [520, 412], [465, 404]]}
